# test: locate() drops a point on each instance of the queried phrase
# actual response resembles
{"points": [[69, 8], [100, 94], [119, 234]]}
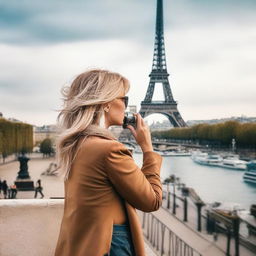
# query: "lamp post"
{"points": [[172, 180], [174, 200], [185, 193], [168, 195]]}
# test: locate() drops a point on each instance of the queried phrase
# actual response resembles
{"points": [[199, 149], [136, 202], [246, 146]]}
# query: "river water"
{"points": [[212, 184]]}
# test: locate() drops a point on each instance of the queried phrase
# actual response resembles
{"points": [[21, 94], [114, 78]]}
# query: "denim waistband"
{"points": [[121, 229]]}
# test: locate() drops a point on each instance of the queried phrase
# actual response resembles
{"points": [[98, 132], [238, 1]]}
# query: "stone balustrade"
{"points": [[30, 227]]}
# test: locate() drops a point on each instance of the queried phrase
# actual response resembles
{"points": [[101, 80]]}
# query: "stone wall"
{"points": [[29, 227]]}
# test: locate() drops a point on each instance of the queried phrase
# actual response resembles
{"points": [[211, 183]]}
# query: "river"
{"points": [[213, 184]]}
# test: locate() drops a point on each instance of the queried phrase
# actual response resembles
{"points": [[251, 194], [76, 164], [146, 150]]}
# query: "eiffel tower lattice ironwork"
{"points": [[159, 74]]}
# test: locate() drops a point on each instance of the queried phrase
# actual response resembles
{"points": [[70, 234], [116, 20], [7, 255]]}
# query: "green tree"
{"points": [[15, 137], [46, 147], [220, 134]]}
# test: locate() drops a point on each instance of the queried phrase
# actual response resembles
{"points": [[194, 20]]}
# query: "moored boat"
{"points": [[207, 159], [250, 173], [178, 152], [198, 155], [231, 162]]}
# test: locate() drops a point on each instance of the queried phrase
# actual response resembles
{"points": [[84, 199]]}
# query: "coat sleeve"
{"points": [[139, 187]]}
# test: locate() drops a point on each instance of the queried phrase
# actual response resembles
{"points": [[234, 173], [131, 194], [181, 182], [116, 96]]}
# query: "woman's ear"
{"points": [[106, 107]]}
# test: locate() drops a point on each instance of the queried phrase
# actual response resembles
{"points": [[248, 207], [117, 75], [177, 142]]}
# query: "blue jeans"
{"points": [[121, 244]]}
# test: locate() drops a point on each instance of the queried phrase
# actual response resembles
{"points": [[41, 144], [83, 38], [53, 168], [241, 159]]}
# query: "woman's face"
{"points": [[115, 115]]}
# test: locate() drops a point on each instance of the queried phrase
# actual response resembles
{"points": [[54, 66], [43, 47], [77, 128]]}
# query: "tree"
{"points": [[46, 147], [15, 137], [214, 134]]}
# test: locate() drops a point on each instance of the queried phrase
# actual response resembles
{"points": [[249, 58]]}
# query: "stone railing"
{"points": [[30, 227]]}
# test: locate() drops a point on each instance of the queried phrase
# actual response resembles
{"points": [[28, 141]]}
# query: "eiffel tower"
{"points": [[159, 74]]}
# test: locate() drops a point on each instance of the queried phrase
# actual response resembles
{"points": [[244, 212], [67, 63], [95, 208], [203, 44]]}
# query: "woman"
{"points": [[38, 189], [103, 185]]}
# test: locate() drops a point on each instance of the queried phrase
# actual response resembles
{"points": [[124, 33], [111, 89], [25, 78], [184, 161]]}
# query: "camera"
{"points": [[129, 119]]}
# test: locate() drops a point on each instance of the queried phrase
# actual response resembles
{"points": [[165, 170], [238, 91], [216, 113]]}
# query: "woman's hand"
{"points": [[141, 133]]}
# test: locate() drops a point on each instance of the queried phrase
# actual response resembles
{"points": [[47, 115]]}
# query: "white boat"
{"points": [[208, 159], [180, 153], [198, 154], [177, 152], [231, 162], [250, 173], [234, 163]]}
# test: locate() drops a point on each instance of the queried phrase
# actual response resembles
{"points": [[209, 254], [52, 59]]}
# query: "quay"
{"points": [[31, 224], [192, 213]]}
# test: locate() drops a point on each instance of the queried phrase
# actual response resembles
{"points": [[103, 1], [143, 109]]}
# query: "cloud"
{"points": [[34, 76], [210, 47], [49, 22], [40, 22]]}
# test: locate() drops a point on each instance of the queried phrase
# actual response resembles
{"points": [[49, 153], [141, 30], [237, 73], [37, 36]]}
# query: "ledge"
{"points": [[32, 225]]}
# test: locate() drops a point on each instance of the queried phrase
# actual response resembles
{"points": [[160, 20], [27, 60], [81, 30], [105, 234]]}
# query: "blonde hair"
{"points": [[83, 106]]}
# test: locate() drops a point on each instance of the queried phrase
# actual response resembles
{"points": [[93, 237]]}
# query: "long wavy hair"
{"points": [[83, 106]]}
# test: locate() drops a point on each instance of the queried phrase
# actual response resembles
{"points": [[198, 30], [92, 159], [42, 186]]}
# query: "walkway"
{"points": [[220, 240]]}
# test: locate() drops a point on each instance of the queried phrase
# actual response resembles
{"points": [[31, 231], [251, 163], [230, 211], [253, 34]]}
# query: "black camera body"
{"points": [[129, 120]]}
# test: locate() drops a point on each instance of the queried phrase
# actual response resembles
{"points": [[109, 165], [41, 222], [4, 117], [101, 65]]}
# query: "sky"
{"points": [[210, 50]]}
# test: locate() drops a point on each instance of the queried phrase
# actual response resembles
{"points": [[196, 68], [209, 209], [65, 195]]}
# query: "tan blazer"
{"points": [[105, 186]]}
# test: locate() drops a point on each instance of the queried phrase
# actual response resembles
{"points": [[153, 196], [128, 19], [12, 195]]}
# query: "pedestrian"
{"points": [[0, 187], [13, 191], [5, 188], [38, 189], [103, 184], [9, 192]]}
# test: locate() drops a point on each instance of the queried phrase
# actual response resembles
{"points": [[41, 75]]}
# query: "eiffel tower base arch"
{"points": [[170, 110]]}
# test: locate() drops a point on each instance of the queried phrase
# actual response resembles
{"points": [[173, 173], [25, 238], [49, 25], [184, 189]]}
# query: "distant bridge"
{"points": [[163, 144]]}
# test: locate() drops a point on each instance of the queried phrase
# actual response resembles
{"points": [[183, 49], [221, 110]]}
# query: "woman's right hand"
{"points": [[141, 133]]}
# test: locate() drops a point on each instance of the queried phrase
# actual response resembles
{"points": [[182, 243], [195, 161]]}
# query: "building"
{"points": [[240, 119], [43, 132]]}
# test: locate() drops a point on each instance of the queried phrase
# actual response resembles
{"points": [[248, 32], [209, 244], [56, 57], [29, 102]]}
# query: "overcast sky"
{"points": [[210, 48]]}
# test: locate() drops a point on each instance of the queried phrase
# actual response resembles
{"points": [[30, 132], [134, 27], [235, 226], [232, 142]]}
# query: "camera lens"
{"points": [[129, 120]]}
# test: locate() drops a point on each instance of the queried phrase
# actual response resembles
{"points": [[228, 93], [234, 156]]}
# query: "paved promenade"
{"points": [[52, 186]]}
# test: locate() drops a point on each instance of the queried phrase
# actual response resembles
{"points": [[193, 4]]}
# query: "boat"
{"points": [[250, 173], [230, 162], [207, 159], [164, 153], [198, 154], [234, 163], [176, 152], [180, 153]]}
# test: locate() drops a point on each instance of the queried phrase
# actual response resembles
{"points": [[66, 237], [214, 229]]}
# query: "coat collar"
{"points": [[96, 130]]}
